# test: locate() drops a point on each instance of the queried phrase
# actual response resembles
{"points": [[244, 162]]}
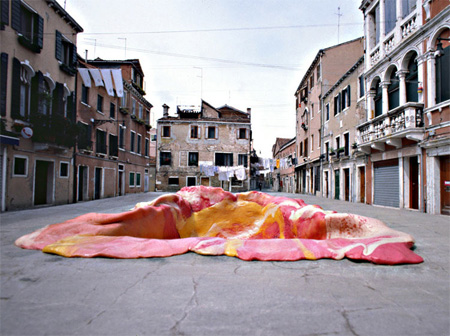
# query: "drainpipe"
{"points": [[74, 154]]}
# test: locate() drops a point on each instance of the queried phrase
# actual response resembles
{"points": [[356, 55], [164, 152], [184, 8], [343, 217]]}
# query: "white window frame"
{"points": [[68, 169], [177, 177], [14, 165], [187, 177], [132, 143], [140, 180], [133, 180]]}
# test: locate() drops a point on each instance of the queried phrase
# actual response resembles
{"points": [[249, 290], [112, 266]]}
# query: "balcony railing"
{"points": [[402, 122], [409, 26]]}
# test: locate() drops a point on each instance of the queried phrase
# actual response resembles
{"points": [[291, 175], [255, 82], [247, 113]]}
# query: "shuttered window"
{"points": [[66, 53], [3, 82], [28, 24], [386, 185]]}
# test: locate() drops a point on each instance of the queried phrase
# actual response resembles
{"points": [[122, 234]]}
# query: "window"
{"points": [[47, 99], [113, 145], [305, 147], [378, 99], [191, 181], [376, 27], [195, 132], [122, 137], [84, 94], [25, 85], [211, 132], [138, 180], [131, 179], [147, 117], [193, 159], [132, 141], [407, 7], [327, 112], [311, 81], [327, 150], [224, 159], [139, 143], [147, 146], [63, 169], [312, 111], [174, 181], [338, 143], [346, 144], [361, 86], [100, 141], [166, 131], [242, 133], [412, 82], [28, 24], [393, 91], [337, 104], [318, 72], [66, 53], [312, 142], [84, 137], [443, 76], [390, 15], [112, 110], [133, 106], [165, 158], [153, 137], [99, 103], [141, 112], [345, 98], [123, 100], [242, 160], [20, 166]]}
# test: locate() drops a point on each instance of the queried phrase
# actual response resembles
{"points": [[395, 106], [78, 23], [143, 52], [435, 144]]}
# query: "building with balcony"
{"points": [[37, 105], [113, 155], [406, 93], [283, 176], [204, 145], [343, 167], [325, 70]]}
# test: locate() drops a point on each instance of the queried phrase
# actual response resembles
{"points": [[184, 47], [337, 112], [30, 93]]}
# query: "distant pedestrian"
{"points": [[260, 186]]}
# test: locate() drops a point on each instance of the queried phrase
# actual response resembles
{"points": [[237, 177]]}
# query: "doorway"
{"points": [[445, 185], [414, 182], [82, 183], [347, 184], [98, 183], [325, 184], [362, 184], [336, 184], [43, 182]]}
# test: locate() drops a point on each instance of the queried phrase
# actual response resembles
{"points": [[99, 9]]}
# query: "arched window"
{"points": [[378, 99], [443, 71], [412, 83], [393, 91]]}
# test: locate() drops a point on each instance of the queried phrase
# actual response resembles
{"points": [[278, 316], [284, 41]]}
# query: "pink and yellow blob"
{"points": [[211, 221]]}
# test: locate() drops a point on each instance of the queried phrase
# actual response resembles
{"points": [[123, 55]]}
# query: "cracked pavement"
{"points": [[190, 294]]}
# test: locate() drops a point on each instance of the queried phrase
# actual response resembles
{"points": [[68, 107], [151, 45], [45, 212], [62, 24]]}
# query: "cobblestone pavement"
{"points": [[43, 294]]}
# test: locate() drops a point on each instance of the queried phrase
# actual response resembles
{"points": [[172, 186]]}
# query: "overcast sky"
{"points": [[244, 53]]}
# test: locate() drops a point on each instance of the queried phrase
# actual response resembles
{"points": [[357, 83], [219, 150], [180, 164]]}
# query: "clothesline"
{"points": [[225, 173]]}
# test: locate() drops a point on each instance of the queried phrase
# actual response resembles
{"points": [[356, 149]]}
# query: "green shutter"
{"points": [[15, 89], [3, 83], [39, 37], [15, 15], [5, 14], [58, 45]]}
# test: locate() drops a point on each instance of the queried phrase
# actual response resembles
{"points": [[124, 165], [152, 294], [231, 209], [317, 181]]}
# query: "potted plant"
{"points": [[354, 145], [331, 151]]}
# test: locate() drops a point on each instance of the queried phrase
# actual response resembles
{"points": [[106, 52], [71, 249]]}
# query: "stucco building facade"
{"points": [[204, 145], [38, 69]]}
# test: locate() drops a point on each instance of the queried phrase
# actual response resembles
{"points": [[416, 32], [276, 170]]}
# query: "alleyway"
{"points": [[44, 294]]}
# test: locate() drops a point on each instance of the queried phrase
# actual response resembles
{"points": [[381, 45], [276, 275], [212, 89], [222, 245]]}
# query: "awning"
{"points": [[96, 76], [118, 82], [7, 140]]}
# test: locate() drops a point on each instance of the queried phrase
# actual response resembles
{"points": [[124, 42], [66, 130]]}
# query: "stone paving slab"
{"points": [[43, 294]]}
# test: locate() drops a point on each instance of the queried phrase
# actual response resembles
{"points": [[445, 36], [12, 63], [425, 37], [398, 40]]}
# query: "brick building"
{"points": [[407, 79], [113, 155], [203, 145], [285, 156]]}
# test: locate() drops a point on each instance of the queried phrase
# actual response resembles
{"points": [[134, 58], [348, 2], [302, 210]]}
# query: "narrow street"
{"points": [[190, 294]]}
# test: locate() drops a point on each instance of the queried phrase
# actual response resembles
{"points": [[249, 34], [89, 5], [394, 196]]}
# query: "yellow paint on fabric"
{"points": [[307, 253], [66, 246], [231, 247], [228, 219]]}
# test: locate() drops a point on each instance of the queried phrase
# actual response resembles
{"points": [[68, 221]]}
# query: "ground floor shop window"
{"points": [[191, 181]]}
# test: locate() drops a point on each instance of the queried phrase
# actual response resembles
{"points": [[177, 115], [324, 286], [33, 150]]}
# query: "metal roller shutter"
{"points": [[387, 186]]}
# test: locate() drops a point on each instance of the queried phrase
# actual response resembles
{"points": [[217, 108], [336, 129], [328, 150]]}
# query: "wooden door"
{"points": [[362, 184], [414, 183], [445, 185]]}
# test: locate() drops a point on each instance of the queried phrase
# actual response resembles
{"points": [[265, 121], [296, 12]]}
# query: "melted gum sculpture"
{"points": [[211, 221]]}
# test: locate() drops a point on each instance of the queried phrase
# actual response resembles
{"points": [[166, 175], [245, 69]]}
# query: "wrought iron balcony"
{"points": [[405, 121]]}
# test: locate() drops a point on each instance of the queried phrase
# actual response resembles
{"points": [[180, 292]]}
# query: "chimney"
{"points": [[249, 112], [165, 111]]}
